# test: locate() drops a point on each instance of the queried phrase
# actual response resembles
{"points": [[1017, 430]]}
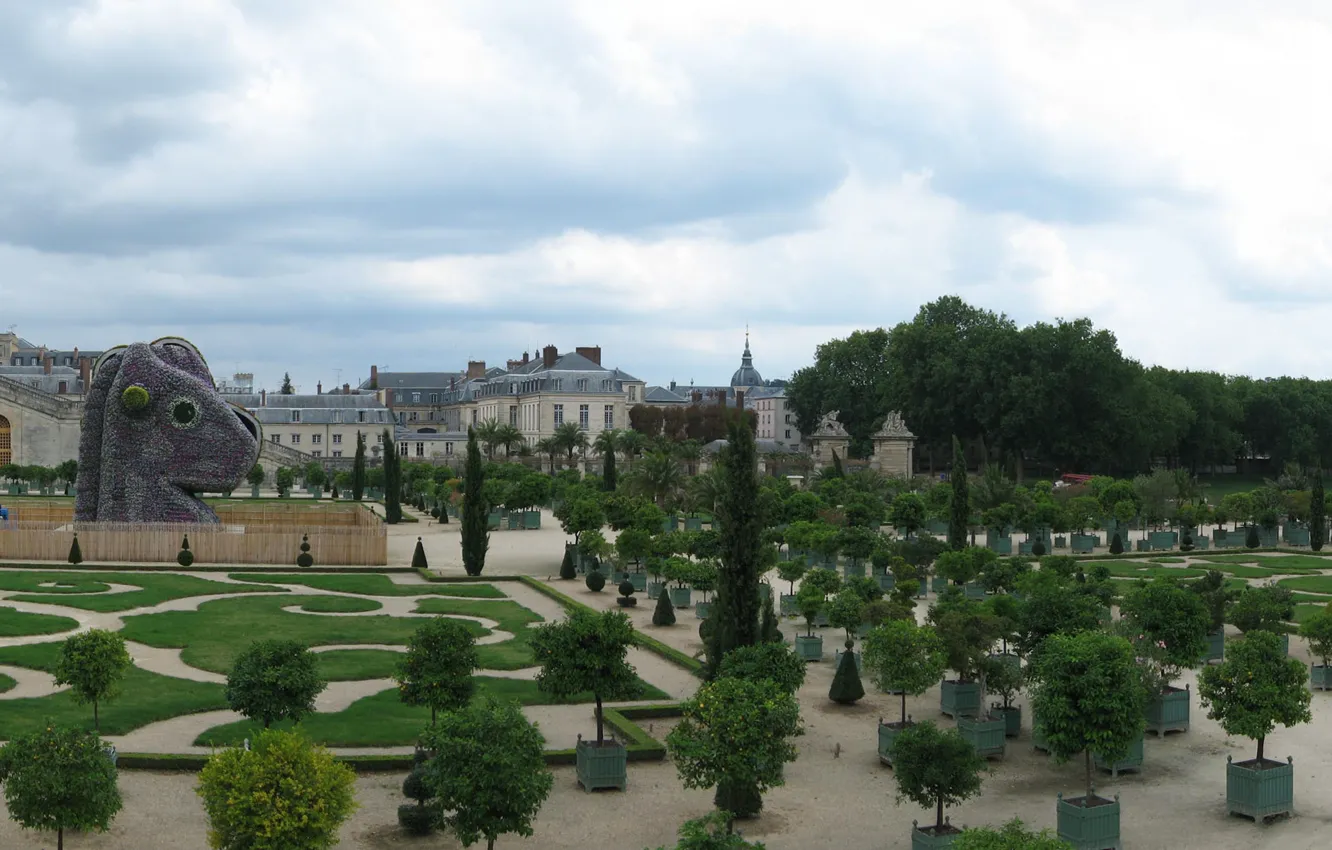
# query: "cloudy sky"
{"points": [[318, 185]]}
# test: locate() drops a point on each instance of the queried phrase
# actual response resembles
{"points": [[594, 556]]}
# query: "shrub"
{"points": [[567, 571], [419, 561], [305, 559], [1318, 631], [770, 630], [1265, 608], [274, 680], [1251, 540], [846, 686], [935, 768], [664, 613], [1116, 545], [58, 779], [75, 553], [1255, 688], [1011, 836], [627, 588], [1038, 547], [765, 662], [185, 557], [417, 819], [595, 581]]}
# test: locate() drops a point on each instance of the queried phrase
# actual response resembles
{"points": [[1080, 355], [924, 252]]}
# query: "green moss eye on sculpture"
{"points": [[184, 413], [134, 398]]}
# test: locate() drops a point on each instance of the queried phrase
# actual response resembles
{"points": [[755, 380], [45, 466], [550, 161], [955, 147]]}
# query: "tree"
{"points": [[710, 833], [586, 652], [256, 475], [1255, 688], [1087, 696], [850, 376], [935, 768], [959, 512], [392, 480], [488, 773], [92, 663], [475, 514], [314, 474], [1317, 513], [1011, 836], [772, 662], [68, 472], [419, 561], [792, 571], [358, 468], [741, 531], [907, 512], [846, 686], [1265, 608], [436, 670], [735, 733], [1173, 620], [280, 793], [902, 656], [1318, 631], [581, 513], [274, 680], [75, 553], [59, 778], [664, 613], [286, 388], [284, 479]]}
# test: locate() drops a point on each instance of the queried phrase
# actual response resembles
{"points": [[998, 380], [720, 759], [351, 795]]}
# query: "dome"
{"points": [[746, 375]]}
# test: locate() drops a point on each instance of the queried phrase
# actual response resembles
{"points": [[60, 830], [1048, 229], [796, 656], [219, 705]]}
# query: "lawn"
{"points": [[381, 720], [1281, 563], [1217, 487], [208, 636], [154, 589], [355, 665], [1166, 560], [374, 584], [145, 698], [1313, 584], [1304, 612], [6, 683], [1131, 570], [14, 623], [338, 605]]}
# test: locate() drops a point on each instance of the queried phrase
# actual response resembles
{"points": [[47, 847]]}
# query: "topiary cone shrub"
{"points": [[75, 553], [185, 557], [846, 685], [1116, 545], [305, 559], [417, 818], [419, 557], [567, 570], [595, 581], [1038, 547], [627, 599], [1251, 540], [1186, 544], [434, 512], [664, 614]]}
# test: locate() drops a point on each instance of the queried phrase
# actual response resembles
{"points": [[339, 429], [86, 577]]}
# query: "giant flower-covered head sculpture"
{"points": [[156, 433]]}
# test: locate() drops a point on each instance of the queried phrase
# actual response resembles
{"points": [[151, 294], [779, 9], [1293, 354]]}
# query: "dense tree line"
{"points": [[1061, 396]]}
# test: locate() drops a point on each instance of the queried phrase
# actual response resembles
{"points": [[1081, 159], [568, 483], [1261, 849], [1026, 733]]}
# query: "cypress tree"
{"points": [[1116, 544], [419, 557], [608, 475], [1317, 513], [76, 554], [475, 533], [846, 685], [769, 629], [567, 570], [1251, 539], [392, 480], [358, 468], [664, 613], [960, 510], [737, 607]]}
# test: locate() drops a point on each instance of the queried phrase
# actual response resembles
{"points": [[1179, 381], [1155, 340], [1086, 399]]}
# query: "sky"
{"points": [[314, 186]]}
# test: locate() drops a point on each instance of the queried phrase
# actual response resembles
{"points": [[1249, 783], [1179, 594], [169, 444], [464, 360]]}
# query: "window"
{"points": [[295, 439], [316, 453], [397, 397], [277, 438], [559, 415], [337, 453], [606, 386], [633, 393], [420, 449], [381, 416], [434, 398], [557, 384], [402, 417], [416, 398], [788, 433], [360, 416], [513, 415], [402, 449], [295, 416], [337, 439], [609, 420], [448, 448], [582, 416], [337, 416], [412, 416], [788, 419], [473, 415], [582, 385], [432, 416], [316, 438]]}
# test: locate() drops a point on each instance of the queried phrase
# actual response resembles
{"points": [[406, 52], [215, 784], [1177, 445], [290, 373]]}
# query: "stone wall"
{"points": [[44, 429]]}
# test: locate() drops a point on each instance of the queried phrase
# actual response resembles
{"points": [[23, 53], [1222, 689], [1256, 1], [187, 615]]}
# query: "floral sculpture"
{"points": [[155, 434]]}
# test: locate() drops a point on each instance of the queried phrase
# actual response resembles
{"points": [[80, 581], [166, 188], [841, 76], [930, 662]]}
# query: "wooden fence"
{"points": [[227, 543]]}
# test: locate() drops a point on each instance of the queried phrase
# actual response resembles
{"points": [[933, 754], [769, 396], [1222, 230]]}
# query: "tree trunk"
{"points": [[60, 839], [599, 721], [97, 722], [1260, 748], [1087, 763], [904, 707], [938, 817]]}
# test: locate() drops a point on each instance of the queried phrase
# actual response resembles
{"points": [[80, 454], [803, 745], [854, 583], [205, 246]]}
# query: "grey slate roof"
{"points": [[415, 380], [661, 395], [327, 401], [764, 447]]}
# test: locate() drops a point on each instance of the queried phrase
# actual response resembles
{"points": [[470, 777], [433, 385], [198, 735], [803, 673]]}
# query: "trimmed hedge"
{"points": [[205, 568]]}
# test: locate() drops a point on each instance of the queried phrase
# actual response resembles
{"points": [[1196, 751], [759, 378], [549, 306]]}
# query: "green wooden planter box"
{"points": [[1131, 762], [654, 589], [670, 523], [1000, 544], [809, 647], [974, 590], [1216, 646], [988, 735], [854, 567], [765, 591], [837, 658], [938, 584], [1012, 719], [702, 610], [958, 699], [1038, 741], [618, 576], [1162, 540], [639, 581], [888, 733], [693, 523], [1260, 794], [921, 840], [601, 767], [493, 521], [531, 519], [821, 618], [1024, 548], [787, 603], [1296, 536], [1320, 677], [1140, 546], [515, 521], [680, 597], [1089, 828], [1200, 543], [1083, 544], [1061, 542], [1169, 712], [886, 581]]}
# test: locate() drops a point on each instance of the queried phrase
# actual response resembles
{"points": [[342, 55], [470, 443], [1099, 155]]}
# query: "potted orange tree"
{"points": [[935, 769], [902, 658], [1173, 624]]}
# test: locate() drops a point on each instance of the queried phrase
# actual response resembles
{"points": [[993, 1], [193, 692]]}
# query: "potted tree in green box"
{"points": [[1264, 609], [1318, 631], [902, 658], [826, 582], [791, 572], [586, 652], [1216, 598], [1013, 835], [682, 572], [1087, 696], [934, 769], [809, 646], [1173, 623], [968, 630], [704, 580], [1253, 690], [846, 611], [1003, 679]]}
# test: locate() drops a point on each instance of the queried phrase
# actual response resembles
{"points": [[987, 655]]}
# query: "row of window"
{"points": [[608, 416], [315, 439], [337, 415], [420, 449], [515, 387]]}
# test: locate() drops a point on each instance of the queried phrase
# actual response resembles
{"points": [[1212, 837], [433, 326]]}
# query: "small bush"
{"points": [[75, 553], [185, 557], [595, 581], [419, 561], [567, 571], [846, 685], [305, 559], [664, 614], [1116, 545], [1251, 540], [1038, 547], [416, 820], [626, 588]]}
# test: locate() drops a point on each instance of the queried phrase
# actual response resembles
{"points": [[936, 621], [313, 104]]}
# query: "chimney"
{"points": [[696, 396], [476, 369], [514, 364], [549, 355], [346, 389], [85, 373], [591, 352], [739, 399], [453, 384], [374, 377], [263, 398], [319, 388], [76, 355], [46, 364], [525, 358], [672, 386]]}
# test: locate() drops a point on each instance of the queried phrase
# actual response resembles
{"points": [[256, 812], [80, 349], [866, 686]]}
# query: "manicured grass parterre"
{"points": [[356, 665], [1282, 563], [145, 698], [381, 720], [14, 623], [1132, 570], [375, 584], [339, 605], [6, 683], [1313, 584], [154, 588]]}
